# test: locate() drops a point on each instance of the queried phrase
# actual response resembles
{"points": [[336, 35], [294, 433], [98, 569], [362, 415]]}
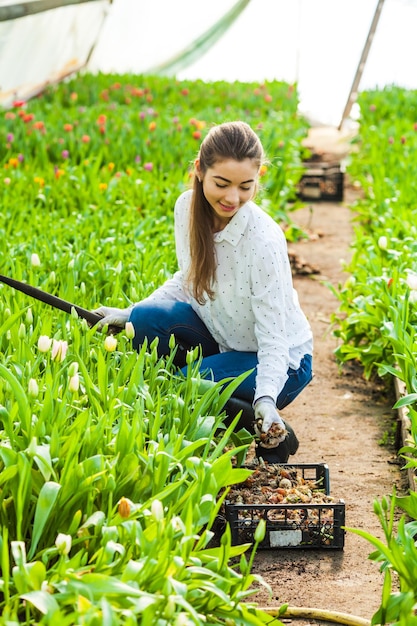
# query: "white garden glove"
{"points": [[111, 316], [269, 426]]}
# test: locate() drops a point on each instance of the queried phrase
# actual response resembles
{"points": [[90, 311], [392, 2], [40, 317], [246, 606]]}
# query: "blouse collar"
{"points": [[235, 229]]}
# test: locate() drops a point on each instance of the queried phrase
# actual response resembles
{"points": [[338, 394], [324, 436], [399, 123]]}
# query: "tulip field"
{"points": [[113, 467], [377, 319]]}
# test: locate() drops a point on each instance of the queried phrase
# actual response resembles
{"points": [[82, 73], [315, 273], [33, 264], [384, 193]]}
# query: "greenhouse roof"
{"points": [[318, 44]]}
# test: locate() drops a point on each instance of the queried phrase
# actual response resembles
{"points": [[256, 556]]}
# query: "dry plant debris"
{"points": [[279, 484]]}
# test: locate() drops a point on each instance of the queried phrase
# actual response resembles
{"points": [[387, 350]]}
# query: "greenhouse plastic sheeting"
{"points": [[315, 43], [42, 48]]}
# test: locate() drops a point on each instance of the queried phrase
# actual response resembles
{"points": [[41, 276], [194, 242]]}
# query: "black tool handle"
{"points": [[58, 303]]}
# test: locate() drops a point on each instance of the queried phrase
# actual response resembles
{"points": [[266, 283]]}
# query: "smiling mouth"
{"points": [[227, 208]]}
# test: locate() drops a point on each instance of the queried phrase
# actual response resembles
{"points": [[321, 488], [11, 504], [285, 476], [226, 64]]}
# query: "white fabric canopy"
{"points": [[45, 47], [316, 43]]}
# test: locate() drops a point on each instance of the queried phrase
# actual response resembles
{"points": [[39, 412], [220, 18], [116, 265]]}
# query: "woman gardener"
{"points": [[233, 293]]}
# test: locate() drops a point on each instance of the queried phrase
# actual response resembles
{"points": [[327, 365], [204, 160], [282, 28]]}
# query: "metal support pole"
{"points": [[14, 11], [359, 71]]}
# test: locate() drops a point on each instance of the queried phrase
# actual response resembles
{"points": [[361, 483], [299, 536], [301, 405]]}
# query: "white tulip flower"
{"points": [[33, 388], [412, 281], [35, 260], [74, 383], [63, 543], [130, 330], [44, 343], [110, 343], [383, 242], [59, 350]]}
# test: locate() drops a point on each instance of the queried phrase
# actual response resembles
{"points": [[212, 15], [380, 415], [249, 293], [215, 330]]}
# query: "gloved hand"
{"points": [[269, 426], [112, 316]]}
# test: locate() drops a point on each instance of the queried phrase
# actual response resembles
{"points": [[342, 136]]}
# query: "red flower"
{"points": [[18, 103]]}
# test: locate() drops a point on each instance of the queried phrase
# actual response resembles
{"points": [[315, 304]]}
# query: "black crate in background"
{"points": [[321, 181]]}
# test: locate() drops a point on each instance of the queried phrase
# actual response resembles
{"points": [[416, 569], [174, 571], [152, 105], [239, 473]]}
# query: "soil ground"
{"points": [[340, 419]]}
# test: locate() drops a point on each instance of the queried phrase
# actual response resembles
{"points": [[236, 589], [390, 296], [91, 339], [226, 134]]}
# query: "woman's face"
{"points": [[227, 186]]}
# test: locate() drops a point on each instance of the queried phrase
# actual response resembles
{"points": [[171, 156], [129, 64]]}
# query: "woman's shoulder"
{"points": [[184, 200], [262, 223], [182, 210]]}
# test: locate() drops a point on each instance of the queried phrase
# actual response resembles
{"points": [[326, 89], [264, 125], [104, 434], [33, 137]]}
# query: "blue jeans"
{"points": [[167, 317]]}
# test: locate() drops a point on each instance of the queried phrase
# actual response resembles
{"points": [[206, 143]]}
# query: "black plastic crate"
{"points": [[289, 525], [300, 525], [321, 181]]}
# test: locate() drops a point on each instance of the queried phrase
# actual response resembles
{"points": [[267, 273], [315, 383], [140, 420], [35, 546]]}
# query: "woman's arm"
{"points": [[174, 288], [274, 310]]}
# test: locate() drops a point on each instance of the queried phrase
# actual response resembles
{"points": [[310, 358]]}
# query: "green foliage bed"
{"points": [[112, 464], [377, 320]]}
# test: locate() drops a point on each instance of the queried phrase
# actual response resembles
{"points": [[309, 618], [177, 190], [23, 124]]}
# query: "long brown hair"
{"points": [[231, 140]]}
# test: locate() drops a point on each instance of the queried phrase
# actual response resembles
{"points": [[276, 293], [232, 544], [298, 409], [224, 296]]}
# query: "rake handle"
{"points": [[54, 301]]}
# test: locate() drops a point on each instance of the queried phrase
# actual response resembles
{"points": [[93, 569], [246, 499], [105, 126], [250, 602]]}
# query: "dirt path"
{"points": [[341, 420]]}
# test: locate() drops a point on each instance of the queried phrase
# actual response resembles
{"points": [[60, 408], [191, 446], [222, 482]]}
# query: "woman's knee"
{"points": [[140, 313], [150, 319], [142, 317], [162, 319], [296, 382]]}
